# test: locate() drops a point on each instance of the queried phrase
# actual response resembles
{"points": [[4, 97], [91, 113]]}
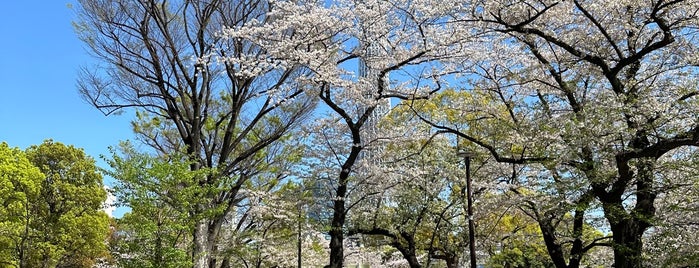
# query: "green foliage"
{"points": [[525, 256], [522, 244], [160, 192], [150, 240], [20, 182], [52, 219], [70, 226]]}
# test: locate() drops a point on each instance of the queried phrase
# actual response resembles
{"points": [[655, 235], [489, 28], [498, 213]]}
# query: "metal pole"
{"points": [[299, 237], [471, 226]]}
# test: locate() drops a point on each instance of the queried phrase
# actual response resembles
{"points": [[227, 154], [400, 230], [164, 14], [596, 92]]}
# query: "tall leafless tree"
{"points": [[160, 58]]}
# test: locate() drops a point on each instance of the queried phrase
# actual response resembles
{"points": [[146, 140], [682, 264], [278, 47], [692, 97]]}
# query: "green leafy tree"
{"points": [[52, 219], [67, 225], [489, 128], [521, 243], [155, 233], [157, 230], [20, 182]]}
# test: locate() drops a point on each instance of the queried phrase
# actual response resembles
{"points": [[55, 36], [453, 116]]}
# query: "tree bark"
{"points": [[555, 247], [336, 226], [552, 246], [339, 211], [200, 252], [407, 251], [628, 246], [628, 227], [403, 242], [451, 259]]}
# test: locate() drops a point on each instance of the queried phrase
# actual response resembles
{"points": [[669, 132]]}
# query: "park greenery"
{"points": [[343, 133], [52, 199]]}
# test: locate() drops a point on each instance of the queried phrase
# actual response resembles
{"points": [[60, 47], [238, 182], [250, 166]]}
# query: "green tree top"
{"points": [[72, 178], [68, 226], [20, 182], [52, 219]]}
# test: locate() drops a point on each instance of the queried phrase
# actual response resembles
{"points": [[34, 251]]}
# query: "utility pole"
{"points": [[469, 203], [299, 238]]}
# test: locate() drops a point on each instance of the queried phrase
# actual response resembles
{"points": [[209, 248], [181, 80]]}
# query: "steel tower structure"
{"points": [[368, 71]]}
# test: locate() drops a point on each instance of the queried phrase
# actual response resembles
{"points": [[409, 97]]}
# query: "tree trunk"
{"points": [[554, 246], [339, 213], [554, 249], [452, 261], [336, 232], [409, 256], [201, 253], [628, 227], [226, 262], [628, 246], [627, 231], [576, 250], [408, 250], [412, 261]]}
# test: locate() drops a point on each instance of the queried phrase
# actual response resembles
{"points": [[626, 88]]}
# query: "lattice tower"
{"points": [[369, 131]]}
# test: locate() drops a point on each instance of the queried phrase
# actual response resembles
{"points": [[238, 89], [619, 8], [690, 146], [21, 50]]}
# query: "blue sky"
{"points": [[40, 56]]}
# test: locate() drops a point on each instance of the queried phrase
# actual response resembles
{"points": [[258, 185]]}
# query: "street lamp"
{"points": [[471, 227]]}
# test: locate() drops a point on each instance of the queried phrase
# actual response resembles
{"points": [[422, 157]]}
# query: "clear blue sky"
{"points": [[40, 56]]}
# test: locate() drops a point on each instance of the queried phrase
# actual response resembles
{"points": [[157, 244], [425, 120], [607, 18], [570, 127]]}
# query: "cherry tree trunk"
{"points": [[336, 227], [628, 245]]}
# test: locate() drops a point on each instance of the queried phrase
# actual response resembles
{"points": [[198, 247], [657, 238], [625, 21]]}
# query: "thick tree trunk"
{"points": [[412, 261], [628, 246], [576, 250], [451, 259], [552, 246], [336, 228], [628, 227], [201, 253], [409, 255], [627, 232]]}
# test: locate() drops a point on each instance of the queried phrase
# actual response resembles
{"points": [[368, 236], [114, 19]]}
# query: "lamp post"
{"points": [[299, 237], [469, 203]]}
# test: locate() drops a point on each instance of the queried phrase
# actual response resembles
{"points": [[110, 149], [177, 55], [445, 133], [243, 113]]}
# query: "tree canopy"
{"points": [[331, 130], [53, 199]]}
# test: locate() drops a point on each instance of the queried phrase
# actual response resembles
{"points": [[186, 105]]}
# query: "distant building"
{"points": [[109, 205]]}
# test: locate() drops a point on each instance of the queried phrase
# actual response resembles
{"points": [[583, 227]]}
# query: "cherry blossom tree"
{"points": [[386, 36], [595, 91], [414, 195], [576, 110], [673, 239]]}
